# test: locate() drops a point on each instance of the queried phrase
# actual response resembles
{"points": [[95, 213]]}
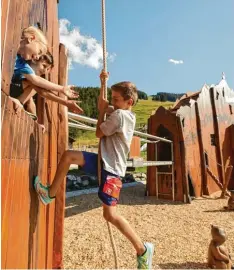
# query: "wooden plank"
{"points": [[4, 21], [9, 191], [22, 178], [6, 135], [12, 205], [9, 48], [3, 104], [62, 146]]}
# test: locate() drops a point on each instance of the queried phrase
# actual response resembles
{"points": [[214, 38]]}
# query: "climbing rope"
{"points": [[105, 96]]}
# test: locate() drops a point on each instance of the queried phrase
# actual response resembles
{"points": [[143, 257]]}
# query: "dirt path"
{"points": [[181, 232]]}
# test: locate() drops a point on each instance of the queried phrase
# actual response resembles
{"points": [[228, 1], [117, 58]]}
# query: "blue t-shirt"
{"points": [[21, 68]]}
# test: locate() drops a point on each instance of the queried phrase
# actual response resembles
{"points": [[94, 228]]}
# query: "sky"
{"points": [[171, 46]]}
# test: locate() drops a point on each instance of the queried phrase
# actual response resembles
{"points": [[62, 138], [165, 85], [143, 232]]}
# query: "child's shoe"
{"points": [[42, 191], [145, 261]]}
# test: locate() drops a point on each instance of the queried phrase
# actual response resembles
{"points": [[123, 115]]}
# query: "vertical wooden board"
{"points": [[9, 49], [50, 18], [6, 131], [4, 170], [4, 20], [17, 28], [62, 146], [41, 232], [25, 203], [21, 191], [13, 199], [9, 197], [54, 125], [26, 11], [3, 104], [14, 236]]}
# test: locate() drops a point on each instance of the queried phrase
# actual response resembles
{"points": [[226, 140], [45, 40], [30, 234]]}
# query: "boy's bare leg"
{"points": [[69, 157], [110, 215], [28, 93], [31, 106]]}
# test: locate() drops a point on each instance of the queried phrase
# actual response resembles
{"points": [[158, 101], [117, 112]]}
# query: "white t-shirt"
{"points": [[115, 145]]}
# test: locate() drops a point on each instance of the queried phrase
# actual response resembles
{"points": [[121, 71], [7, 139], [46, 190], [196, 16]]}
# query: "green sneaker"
{"points": [[145, 261], [42, 191]]}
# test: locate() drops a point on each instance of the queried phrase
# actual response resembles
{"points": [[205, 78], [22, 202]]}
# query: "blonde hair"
{"points": [[37, 33], [127, 90]]}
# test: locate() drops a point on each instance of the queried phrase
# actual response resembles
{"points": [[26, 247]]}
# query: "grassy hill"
{"points": [[143, 110]]}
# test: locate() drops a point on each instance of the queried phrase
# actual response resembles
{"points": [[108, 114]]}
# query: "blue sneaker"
{"points": [[145, 261], [42, 191]]}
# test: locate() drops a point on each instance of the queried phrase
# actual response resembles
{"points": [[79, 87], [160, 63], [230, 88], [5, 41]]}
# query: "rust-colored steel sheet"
{"points": [[170, 129], [201, 126]]}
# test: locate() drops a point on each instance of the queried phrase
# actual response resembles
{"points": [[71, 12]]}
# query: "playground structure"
{"points": [[201, 126], [27, 152], [32, 234]]}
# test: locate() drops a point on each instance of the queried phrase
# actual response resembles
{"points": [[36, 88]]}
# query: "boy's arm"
{"points": [[47, 85], [70, 104], [101, 116], [102, 105]]}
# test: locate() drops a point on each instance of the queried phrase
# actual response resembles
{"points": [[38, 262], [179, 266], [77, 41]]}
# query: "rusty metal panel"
{"points": [[207, 130], [165, 120], [193, 156], [225, 121]]}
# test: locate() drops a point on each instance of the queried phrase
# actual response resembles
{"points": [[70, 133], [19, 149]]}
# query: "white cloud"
{"points": [[176, 62], [82, 49]]}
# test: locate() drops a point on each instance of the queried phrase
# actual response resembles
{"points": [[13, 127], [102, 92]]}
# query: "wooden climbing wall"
{"points": [[29, 230]]}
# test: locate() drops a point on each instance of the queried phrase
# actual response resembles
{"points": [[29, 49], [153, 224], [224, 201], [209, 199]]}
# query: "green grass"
{"points": [[143, 110]]}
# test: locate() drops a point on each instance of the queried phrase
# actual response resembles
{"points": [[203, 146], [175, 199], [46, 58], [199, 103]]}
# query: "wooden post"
{"points": [[62, 146]]}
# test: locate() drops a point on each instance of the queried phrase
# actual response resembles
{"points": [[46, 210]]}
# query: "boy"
{"points": [[40, 67], [116, 134], [33, 44]]}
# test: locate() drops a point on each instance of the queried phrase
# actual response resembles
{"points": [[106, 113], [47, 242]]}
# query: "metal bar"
{"points": [[151, 136], [82, 118], [148, 141], [94, 121], [164, 173], [131, 163], [81, 126]]}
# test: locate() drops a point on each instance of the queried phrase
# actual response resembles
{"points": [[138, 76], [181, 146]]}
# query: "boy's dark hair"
{"points": [[127, 90], [48, 58]]}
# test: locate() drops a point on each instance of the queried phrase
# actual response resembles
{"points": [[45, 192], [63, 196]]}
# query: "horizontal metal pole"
{"points": [[81, 126], [142, 163], [94, 121], [163, 173], [82, 118], [148, 141]]}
